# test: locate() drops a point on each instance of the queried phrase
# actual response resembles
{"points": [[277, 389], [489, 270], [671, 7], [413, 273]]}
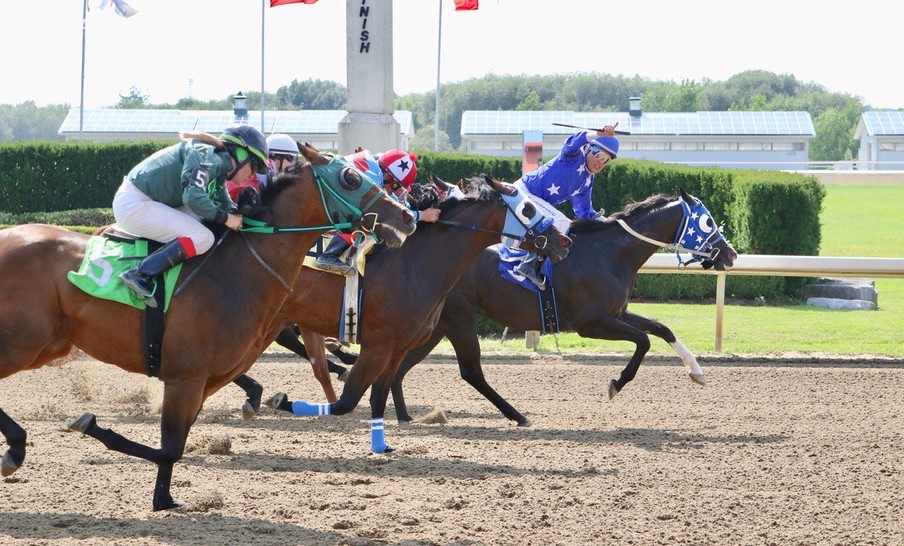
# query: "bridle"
{"points": [[523, 222], [686, 238]]}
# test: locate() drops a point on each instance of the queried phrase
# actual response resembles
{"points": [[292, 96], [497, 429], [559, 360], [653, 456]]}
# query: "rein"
{"points": [[697, 253]]}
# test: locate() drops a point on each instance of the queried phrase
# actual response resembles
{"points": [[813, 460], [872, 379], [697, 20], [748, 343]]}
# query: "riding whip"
{"points": [[590, 128]]}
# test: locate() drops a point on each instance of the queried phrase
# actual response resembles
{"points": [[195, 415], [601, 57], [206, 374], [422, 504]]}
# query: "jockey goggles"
{"points": [[600, 153], [243, 157]]}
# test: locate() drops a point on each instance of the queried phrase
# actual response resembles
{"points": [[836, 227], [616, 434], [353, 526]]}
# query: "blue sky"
{"points": [[212, 48]]}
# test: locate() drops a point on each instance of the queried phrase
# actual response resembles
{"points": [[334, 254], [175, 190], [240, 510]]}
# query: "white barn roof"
{"points": [[492, 122]]}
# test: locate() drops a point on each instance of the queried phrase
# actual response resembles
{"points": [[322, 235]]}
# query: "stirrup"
{"points": [[333, 263]]}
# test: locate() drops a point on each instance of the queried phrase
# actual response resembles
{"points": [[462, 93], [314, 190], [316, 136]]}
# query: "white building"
{"points": [[759, 140], [881, 135], [317, 127]]}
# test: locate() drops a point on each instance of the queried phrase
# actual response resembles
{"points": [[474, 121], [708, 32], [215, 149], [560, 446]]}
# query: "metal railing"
{"points": [[780, 266]]}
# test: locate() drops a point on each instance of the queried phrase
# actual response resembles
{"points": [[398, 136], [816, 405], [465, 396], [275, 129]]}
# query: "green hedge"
{"points": [[56, 176], [763, 212]]}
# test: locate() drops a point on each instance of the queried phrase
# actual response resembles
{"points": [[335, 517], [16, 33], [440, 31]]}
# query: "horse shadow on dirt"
{"points": [[649, 439], [177, 528], [401, 464]]}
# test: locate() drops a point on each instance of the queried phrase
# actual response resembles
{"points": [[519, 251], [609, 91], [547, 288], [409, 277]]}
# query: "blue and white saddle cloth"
{"points": [[509, 259]]}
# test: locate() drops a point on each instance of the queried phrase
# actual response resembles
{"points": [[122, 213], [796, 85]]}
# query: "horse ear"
{"points": [[683, 194], [358, 150]]}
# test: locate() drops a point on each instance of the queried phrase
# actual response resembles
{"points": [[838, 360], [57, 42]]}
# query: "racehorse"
{"points": [[592, 290], [214, 327], [404, 290]]}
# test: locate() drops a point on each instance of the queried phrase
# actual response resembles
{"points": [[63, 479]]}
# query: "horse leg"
{"points": [[413, 357], [617, 329], [379, 392], [370, 365], [288, 338], [182, 401], [695, 372], [254, 391], [317, 357], [462, 334], [15, 437]]}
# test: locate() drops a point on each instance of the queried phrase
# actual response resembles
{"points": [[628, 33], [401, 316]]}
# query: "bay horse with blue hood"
{"points": [[214, 329], [592, 289], [404, 288]]}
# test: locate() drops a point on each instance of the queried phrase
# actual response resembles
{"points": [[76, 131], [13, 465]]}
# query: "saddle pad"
{"points": [[105, 259], [509, 258], [310, 259]]}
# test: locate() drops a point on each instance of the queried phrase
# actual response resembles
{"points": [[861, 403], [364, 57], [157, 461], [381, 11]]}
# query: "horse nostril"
{"points": [[566, 242]]}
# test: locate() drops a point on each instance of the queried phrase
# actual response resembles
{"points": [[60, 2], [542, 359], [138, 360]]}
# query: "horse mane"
{"points": [[206, 138], [481, 191], [631, 210]]}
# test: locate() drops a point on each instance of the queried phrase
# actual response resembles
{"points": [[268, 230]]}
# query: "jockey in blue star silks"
{"points": [[569, 175]]}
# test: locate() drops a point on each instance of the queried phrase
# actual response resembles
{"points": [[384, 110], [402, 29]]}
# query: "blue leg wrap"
{"points": [[300, 407], [377, 436]]}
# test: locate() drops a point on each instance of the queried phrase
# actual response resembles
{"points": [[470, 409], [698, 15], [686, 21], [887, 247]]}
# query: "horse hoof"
{"points": [[276, 400], [524, 423], [83, 423], [171, 505], [343, 376], [7, 466], [248, 411], [613, 390], [697, 378]]}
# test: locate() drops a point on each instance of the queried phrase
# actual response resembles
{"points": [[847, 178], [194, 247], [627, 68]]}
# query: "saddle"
{"points": [[110, 252]]}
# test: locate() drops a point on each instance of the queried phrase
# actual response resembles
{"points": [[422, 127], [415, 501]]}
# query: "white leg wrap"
{"points": [[687, 357]]}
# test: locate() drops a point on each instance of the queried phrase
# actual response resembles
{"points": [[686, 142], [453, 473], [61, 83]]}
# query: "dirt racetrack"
{"points": [[764, 454]]}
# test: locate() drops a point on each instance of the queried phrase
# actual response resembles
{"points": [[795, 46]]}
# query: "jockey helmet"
{"points": [[282, 145], [246, 143], [605, 144], [402, 166]]}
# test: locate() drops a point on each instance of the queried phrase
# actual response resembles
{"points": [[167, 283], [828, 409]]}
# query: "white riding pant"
{"points": [[559, 220], [138, 214]]}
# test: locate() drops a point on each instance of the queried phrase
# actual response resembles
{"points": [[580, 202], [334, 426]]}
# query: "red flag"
{"points": [[274, 3], [463, 5]]}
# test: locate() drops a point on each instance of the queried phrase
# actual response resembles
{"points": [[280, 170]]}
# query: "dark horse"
{"points": [[214, 329], [404, 290], [592, 290]]}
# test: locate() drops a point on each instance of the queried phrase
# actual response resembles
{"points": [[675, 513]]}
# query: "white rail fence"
{"points": [[780, 266]]}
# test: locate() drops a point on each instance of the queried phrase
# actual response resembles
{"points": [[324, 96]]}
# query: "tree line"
{"points": [[835, 115]]}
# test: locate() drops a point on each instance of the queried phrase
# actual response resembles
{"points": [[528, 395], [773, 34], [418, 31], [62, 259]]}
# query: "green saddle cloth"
{"points": [[105, 259]]}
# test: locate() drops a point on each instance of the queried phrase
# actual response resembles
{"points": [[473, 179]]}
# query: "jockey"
{"points": [[569, 175], [283, 152], [166, 196], [395, 171]]}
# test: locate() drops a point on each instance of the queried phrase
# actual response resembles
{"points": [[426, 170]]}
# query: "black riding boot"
{"points": [[140, 278], [330, 259], [530, 269]]}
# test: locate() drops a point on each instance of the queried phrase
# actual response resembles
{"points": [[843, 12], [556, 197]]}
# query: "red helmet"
{"points": [[402, 166]]}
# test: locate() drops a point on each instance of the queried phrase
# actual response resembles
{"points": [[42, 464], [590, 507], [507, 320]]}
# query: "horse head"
{"points": [[524, 226], [701, 234], [350, 199]]}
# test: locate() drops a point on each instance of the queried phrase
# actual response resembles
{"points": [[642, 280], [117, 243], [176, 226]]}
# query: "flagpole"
{"points": [[81, 106], [439, 45], [263, 12]]}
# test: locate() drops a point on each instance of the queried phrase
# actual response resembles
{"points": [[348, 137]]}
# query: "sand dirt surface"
{"points": [[783, 454]]}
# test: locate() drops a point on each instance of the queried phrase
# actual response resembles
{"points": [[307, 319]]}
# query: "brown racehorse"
{"points": [[218, 324], [404, 290], [593, 287]]}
